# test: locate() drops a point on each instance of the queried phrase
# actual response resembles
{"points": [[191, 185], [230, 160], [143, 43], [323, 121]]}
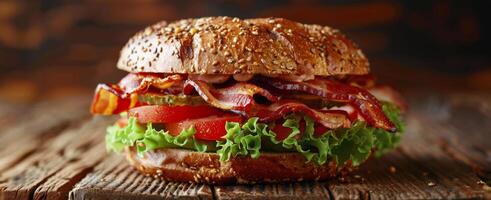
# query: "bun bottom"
{"points": [[189, 166]]}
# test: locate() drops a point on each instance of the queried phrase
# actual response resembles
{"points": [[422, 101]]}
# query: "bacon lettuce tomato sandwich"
{"points": [[223, 100]]}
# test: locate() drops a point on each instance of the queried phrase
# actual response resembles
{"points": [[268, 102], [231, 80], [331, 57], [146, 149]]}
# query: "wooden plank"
{"points": [[459, 178], [82, 156], [462, 123], [304, 190], [115, 179], [44, 116], [56, 165], [43, 122], [418, 170]]}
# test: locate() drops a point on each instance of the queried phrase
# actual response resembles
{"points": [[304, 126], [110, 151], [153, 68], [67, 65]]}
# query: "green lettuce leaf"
{"points": [[249, 139], [354, 144], [148, 138]]}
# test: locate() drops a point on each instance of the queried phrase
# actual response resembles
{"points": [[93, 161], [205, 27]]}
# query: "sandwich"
{"points": [[222, 100]]}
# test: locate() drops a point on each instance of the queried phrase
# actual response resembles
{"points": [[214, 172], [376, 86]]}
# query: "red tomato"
{"points": [[281, 131], [319, 130], [210, 128], [171, 114]]}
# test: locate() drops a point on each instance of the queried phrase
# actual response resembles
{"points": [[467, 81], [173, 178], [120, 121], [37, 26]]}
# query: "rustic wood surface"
{"points": [[55, 150]]}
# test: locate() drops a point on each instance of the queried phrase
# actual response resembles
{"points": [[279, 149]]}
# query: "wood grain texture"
{"points": [[462, 124], [43, 122], [115, 179], [57, 164], [304, 190], [82, 155]]}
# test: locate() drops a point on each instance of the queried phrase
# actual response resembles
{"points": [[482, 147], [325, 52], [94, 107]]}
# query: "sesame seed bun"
{"points": [[224, 45], [189, 166]]}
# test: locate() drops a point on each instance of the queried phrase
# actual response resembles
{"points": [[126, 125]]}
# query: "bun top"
{"points": [[224, 45]]}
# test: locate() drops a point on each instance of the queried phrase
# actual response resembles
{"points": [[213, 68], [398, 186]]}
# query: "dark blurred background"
{"points": [[50, 48]]}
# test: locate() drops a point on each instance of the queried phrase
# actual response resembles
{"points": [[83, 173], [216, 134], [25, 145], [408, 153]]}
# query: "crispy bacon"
{"points": [[364, 102], [113, 99], [348, 110], [110, 99], [239, 97], [135, 83], [329, 119]]}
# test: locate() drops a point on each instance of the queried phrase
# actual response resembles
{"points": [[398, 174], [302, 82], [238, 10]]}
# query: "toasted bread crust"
{"points": [[189, 166], [224, 45]]}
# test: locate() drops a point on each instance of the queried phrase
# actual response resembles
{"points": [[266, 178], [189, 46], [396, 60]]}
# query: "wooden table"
{"points": [[55, 150]]}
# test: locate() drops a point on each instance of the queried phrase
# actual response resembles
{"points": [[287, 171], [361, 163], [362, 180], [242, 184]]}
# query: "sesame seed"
{"points": [[226, 53], [148, 31], [193, 31]]}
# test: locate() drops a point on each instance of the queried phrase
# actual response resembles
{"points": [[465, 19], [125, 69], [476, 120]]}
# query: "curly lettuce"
{"points": [[354, 144], [148, 138]]}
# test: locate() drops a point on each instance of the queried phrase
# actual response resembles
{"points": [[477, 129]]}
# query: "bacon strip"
{"points": [[239, 97], [113, 99], [135, 83], [364, 102], [109, 99], [331, 120]]}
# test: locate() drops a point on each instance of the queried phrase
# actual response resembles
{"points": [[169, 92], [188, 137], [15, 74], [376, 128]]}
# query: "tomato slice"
{"points": [[210, 128], [171, 114], [283, 132]]}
